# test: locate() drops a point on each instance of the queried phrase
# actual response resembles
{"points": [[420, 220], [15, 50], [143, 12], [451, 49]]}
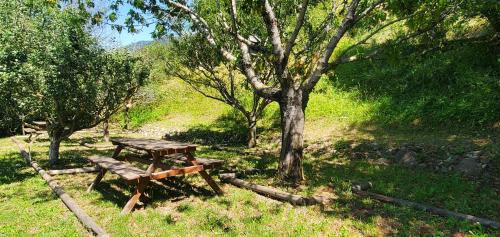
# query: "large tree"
{"points": [[73, 83], [303, 39]]}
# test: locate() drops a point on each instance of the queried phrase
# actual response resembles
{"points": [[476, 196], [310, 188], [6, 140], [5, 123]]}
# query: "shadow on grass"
{"points": [[172, 189], [415, 184], [11, 169], [229, 129]]}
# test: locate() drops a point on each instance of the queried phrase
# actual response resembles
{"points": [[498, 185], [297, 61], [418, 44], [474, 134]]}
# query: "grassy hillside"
{"points": [[458, 82]]}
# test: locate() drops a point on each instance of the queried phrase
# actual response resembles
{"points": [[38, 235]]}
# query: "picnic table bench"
{"points": [[158, 150], [34, 130]]}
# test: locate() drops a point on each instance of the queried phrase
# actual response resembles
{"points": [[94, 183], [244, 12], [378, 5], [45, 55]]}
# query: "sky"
{"points": [[112, 38]]}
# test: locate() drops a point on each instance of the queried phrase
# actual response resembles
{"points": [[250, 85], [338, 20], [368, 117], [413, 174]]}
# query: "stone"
{"points": [[473, 154], [383, 161], [409, 159], [469, 166]]}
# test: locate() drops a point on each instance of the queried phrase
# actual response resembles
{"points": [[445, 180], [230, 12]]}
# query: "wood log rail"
{"points": [[80, 214], [74, 171], [271, 192], [360, 190]]}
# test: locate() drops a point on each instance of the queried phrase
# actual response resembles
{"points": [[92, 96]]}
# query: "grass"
{"points": [[390, 103], [188, 207], [172, 96], [27, 204]]}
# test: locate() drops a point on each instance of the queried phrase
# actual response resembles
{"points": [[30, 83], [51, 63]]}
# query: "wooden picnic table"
{"points": [[158, 151]]}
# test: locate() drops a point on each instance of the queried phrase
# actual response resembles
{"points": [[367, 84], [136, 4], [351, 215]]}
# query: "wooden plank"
{"points": [[175, 172], [85, 219], [123, 169], [162, 146], [74, 171]]}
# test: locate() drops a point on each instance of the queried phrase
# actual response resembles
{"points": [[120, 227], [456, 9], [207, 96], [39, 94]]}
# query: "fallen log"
{"points": [[85, 219], [97, 147], [74, 171], [271, 192], [435, 210]]}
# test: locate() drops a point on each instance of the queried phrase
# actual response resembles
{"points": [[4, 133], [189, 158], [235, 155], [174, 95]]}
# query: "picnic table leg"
{"points": [[135, 197], [205, 175], [117, 151], [103, 171], [97, 179], [152, 167]]}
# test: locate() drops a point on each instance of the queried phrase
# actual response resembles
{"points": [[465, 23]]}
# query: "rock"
{"points": [[469, 166], [473, 154], [383, 161], [409, 158]]}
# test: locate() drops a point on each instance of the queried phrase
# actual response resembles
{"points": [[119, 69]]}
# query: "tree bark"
{"points": [[105, 125], [292, 136], [252, 131], [127, 115], [55, 143]]}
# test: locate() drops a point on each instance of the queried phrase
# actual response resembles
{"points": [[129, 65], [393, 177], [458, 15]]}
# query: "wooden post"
{"points": [[85, 219]]}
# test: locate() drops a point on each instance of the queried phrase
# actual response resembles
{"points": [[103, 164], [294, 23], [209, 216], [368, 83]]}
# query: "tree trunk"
{"points": [[127, 118], [252, 131], [292, 136], [106, 130], [127, 115], [55, 142], [22, 126]]}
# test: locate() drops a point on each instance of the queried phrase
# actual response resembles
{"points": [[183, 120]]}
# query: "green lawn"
{"points": [[188, 207]]}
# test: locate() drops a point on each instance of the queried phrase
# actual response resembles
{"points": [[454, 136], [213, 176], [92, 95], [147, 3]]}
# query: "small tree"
{"points": [[21, 50], [210, 76], [75, 84], [86, 95]]}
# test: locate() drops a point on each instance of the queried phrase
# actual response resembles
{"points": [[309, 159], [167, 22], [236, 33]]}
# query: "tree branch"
{"points": [[298, 25], [342, 59], [368, 10], [259, 87], [204, 27], [322, 64], [274, 35]]}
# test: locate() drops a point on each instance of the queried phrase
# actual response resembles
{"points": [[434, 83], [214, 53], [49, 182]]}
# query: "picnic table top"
{"points": [[154, 145]]}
